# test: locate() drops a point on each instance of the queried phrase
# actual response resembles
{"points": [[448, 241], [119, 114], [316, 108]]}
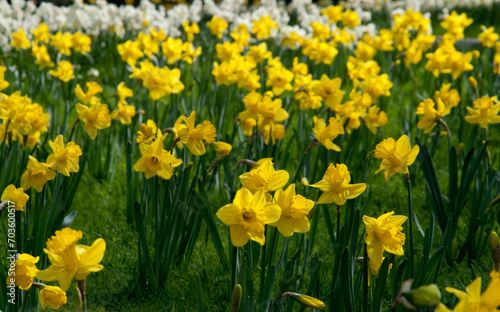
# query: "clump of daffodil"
{"points": [[69, 260], [384, 233], [396, 156], [155, 160], [36, 175], [64, 71], [248, 215], [16, 196], [264, 177], [192, 136], [294, 211], [64, 159], [326, 134], [25, 271], [95, 117], [335, 186], [52, 296], [472, 300], [265, 113], [485, 112], [159, 81]]}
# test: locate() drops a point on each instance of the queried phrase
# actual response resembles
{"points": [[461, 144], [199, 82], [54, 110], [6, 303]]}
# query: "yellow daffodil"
{"points": [[263, 27], [488, 37], [64, 71], [377, 86], [52, 296], [158, 36], [248, 215], [147, 132], [472, 300], [221, 148], [264, 177], [217, 26], [124, 113], [432, 112], [123, 92], [326, 134], [294, 210], [350, 19], [485, 112], [36, 175], [95, 118], [130, 52], [335, 186], [374, 118], [69, 260], [279, 79], [64, 159], [333, 12], [450, 97], [156, 161], [19, 40], [329, 90], [3, 83], [15, 196], [81, 43], [93, 88], [396, 156], [42, 56], [25, 271], [384, 233], [192, 136], [41, 34], [190, 30], [162, 81], [63, 42]]}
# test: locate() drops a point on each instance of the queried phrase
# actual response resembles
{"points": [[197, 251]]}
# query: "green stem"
{"points": [[410, 225], [338, 222], [365, 279], [81, 288]]}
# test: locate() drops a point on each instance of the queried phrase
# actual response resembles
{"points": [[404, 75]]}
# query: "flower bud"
{"points": [[305, 300], [236, 298], [496, 258], [188, 166], [472, 82], [222, 149], [476, 54], [424, 296], [304, 181], [53, 296], [494, 240]]}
